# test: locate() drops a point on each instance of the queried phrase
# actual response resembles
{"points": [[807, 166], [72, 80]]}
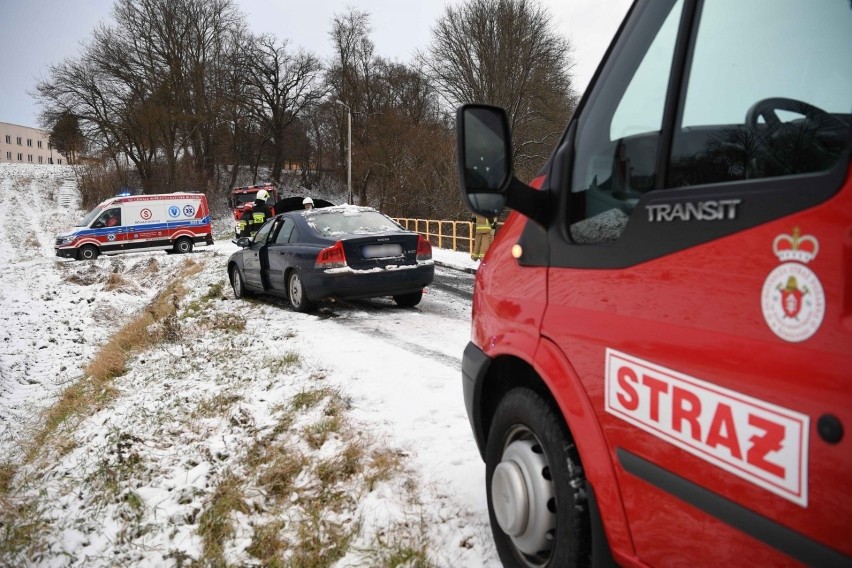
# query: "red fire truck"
{"points": [[660, 367], [242, 198]]}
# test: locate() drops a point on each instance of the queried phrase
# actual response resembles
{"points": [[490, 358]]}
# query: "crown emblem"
{"points": [[795, 247]]}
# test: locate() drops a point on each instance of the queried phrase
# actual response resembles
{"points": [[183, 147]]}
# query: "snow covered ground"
{"points": [[134, 480]]}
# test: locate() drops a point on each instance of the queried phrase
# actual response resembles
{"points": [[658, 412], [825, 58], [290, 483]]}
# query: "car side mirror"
{"points": [[243, 242], [487, 180]]}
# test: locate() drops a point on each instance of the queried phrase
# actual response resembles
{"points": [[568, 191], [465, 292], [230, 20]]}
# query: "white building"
{"points": [[24, 145]]}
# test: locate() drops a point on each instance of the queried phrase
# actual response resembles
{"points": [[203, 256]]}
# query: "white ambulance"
{"points": [[174, 222]]}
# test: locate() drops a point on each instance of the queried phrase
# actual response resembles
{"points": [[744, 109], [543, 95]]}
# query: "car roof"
{"points": [[351, 209]]}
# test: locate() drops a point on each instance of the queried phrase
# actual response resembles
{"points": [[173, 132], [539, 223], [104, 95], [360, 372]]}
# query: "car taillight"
{"points": [[331, 257], [424, 248]]}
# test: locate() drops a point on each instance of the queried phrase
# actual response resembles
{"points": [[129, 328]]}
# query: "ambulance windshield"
{"points": [[90, 216]]}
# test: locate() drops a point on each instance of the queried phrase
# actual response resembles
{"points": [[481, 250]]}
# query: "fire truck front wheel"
{"points": [[535, 485]]}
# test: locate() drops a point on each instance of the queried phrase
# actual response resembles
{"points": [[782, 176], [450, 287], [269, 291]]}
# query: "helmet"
{"points": [[262, 195], [307, 200]]}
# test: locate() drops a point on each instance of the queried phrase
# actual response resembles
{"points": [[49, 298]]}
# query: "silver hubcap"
{"points": [[523, 498], [295, 290], [237, 283]]}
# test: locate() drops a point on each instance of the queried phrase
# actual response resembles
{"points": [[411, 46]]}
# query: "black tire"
{"points": [[296, 293], [408, 300], [183, 245], [238, 284], [88, 252], [540, 486]]}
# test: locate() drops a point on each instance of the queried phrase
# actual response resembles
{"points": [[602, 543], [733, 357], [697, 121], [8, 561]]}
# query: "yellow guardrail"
{"points": [[455, 235]]}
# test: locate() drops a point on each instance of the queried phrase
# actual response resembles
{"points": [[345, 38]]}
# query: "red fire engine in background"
{"points": [[661, 354], [242, 198]]}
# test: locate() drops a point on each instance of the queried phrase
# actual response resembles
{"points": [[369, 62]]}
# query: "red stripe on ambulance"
{"points": [[760, 442]]}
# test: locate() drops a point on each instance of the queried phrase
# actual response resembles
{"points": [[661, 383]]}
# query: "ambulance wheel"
{"points": [[183, 245], [88, 252], [535, 485], [296, 293], [238, 283]]}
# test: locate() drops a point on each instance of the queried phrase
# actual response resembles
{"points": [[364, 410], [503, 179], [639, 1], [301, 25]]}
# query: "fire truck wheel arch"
{"points": [[529, 456]]}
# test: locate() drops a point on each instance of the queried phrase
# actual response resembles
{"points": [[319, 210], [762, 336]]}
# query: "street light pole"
{"points": [[349, 148]]}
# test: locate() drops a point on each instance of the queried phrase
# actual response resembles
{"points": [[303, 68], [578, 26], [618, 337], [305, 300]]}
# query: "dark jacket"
{"points": [[254, 218]]}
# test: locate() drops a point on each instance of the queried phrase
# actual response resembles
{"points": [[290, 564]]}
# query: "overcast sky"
{"points": [[37, 33]]}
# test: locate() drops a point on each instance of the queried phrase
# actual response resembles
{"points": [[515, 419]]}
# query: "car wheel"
{"points": [[408, 300], [183, 245], [88, 252], [535, 485], [296, 293], [238, 283]]}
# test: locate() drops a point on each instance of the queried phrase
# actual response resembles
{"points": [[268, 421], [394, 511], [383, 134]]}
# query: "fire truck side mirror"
{"points": [[230, 203], [486, 175]]}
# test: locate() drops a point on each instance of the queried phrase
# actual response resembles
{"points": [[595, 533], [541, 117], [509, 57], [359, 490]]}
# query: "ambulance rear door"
{"points": [[699, 277], [186, 211]]}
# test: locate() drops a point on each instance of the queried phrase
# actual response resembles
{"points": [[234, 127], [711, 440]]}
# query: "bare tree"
{"points": [[148, 89], [351, 80], [282, 86], [506, 53], [394, 109]]}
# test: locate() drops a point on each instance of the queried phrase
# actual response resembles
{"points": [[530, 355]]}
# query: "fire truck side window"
{"points": [[619, 130], [764, 98]]}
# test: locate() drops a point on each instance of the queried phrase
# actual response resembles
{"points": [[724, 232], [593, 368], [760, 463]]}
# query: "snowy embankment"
{"points": [[241, 433]]}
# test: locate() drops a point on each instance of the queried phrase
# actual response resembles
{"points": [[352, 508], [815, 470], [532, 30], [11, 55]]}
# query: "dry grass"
{"points": [[31, 242], [279, 470], [384, 464], [115, 281], [7, 472], [321, 542], [21, 527], [309, 502], [95, 390], [217, 405], [215, 525], [267, 544]]}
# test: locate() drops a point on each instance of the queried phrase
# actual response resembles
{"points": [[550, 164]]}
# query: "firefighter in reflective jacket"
{"points": [[253, 218], [484, 234]]}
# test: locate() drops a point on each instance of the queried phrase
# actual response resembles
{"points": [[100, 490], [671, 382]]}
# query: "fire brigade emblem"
{"points": [[793, 300]]}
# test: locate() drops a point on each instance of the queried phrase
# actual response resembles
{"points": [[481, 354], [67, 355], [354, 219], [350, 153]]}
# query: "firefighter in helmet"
{"points": [[257, 215]]}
